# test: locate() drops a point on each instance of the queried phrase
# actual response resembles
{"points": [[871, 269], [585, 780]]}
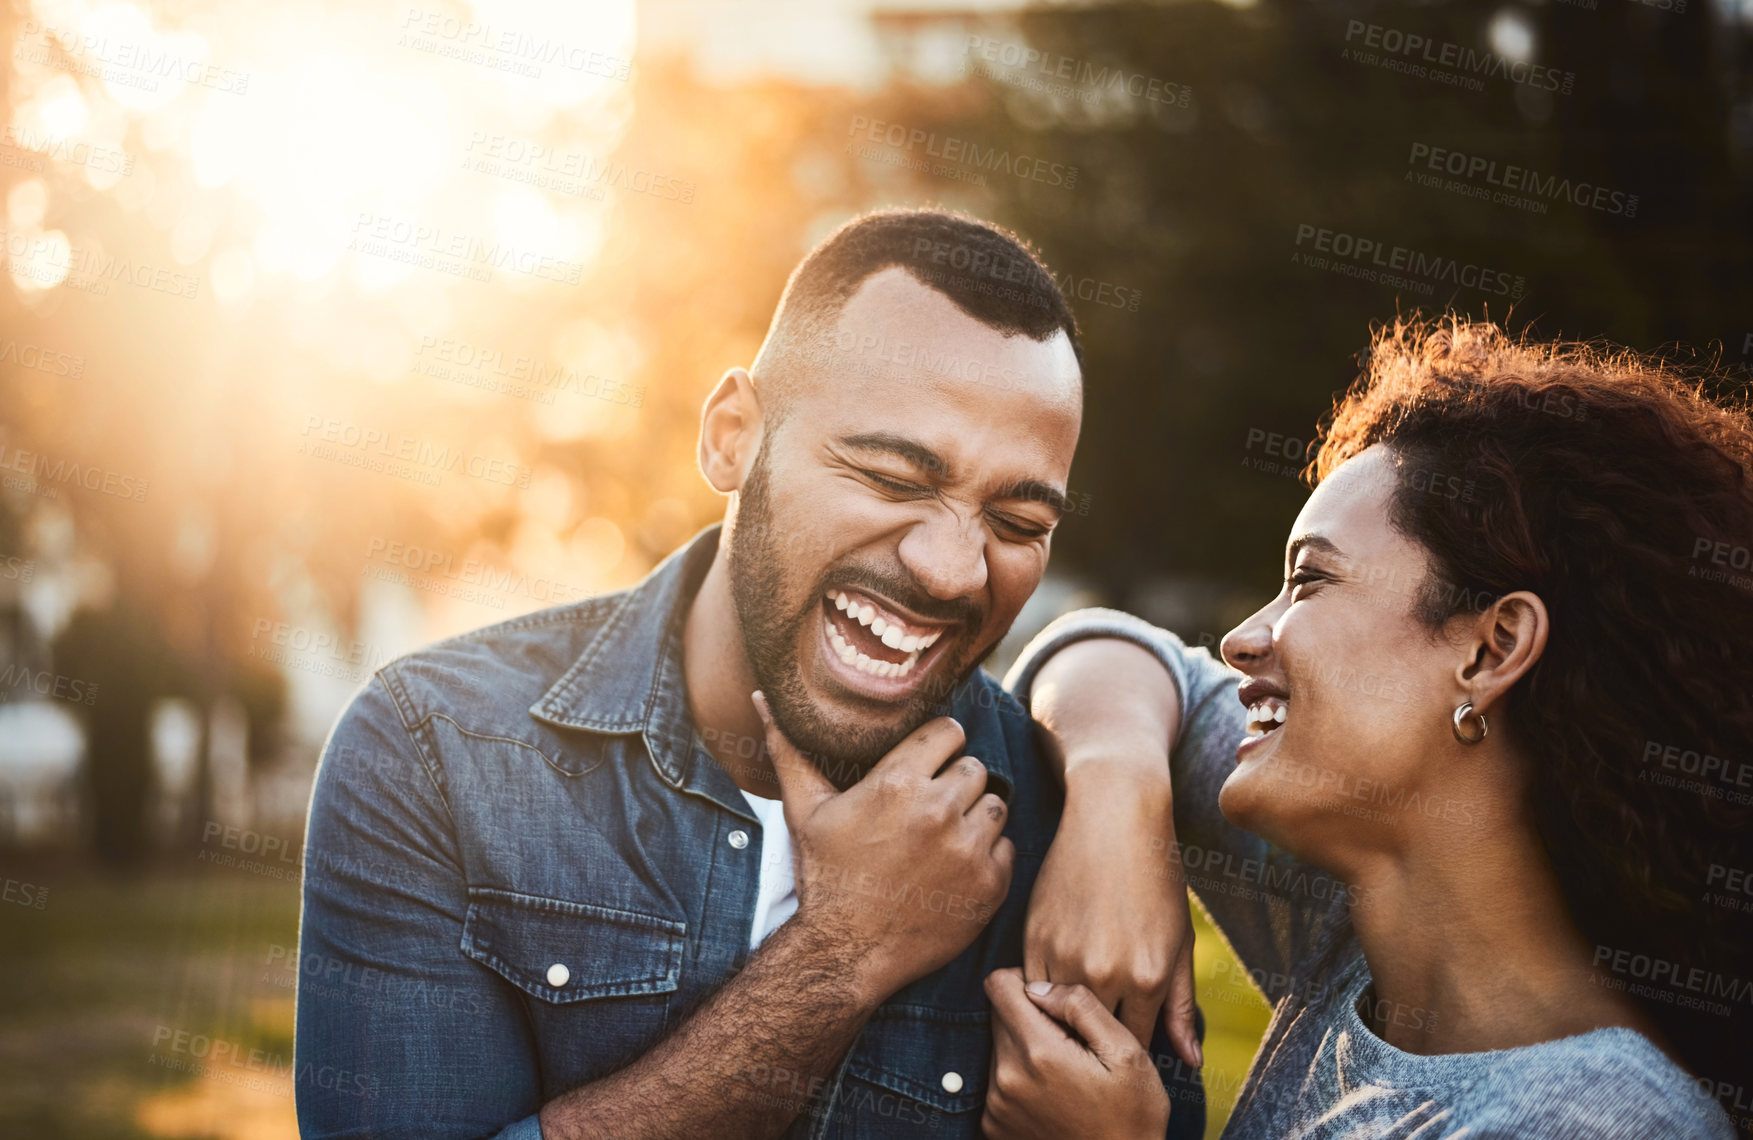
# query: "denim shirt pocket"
{"points": [[597, 980], [916, 1070]]}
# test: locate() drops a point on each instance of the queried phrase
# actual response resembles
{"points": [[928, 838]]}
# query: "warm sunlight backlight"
{"points": [[303, 147]]}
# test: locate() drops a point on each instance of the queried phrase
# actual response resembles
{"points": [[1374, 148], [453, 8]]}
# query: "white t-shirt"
{"points": [[776, 887]]}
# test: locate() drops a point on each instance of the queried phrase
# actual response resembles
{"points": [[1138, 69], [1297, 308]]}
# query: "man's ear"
{"points": [[1503, 643], [730, 431]]}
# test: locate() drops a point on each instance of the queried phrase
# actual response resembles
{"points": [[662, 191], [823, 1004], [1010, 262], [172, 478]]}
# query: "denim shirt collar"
{"points": [[630, 679]]}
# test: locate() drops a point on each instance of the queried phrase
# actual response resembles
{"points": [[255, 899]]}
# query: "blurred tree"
{"points": [[1199, 210], [121, 650], [1195, 210]]}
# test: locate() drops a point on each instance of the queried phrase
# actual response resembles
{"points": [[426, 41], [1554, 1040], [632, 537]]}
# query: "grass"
{"points": [[102, 980], [115, 977], [1235, 1020]]}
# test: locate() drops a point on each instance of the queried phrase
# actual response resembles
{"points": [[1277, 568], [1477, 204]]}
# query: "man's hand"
{"points": [[895, 877], [904, 868], [1048, 1084], [1109, 909]]}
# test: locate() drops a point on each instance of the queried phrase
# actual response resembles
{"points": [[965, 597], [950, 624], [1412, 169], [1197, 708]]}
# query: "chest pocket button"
{"points": [[533, 942]]}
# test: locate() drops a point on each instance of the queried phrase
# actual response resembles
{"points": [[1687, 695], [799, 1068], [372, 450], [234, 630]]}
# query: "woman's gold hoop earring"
{"points": [[1460, 715]]}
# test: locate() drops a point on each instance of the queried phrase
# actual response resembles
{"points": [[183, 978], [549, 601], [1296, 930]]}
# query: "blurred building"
{"points": [[857, 44]]}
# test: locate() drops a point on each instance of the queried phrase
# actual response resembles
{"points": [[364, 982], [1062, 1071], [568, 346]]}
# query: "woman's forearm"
{"points": [[1106, 708], [1109, 909]]}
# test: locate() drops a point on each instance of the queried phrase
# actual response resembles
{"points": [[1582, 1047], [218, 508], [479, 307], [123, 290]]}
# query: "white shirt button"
{"points": [[952, 1082], [739, 839], [559, 975]]}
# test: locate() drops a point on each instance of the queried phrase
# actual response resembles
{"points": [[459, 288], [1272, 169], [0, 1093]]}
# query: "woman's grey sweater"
{"points": [[1321, 1072]]}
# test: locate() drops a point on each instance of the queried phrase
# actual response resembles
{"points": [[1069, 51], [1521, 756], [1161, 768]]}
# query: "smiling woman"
{"points": [[1597, 484], [1480, 907]]}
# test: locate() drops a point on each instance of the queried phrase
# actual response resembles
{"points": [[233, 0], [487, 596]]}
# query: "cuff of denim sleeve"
{"points": [[1081, 625], [529, 1128]]}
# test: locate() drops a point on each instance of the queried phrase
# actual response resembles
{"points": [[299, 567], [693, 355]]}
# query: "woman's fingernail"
{"points": [[1198, 1056], [1040, 989]]}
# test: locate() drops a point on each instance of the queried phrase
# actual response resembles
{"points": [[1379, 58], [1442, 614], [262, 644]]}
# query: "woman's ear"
{"points": [[1503, 643], [730, 431]]}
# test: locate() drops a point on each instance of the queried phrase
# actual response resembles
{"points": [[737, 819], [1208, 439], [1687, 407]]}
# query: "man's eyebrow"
{"points": [[1035, 491], [911, 450], [1313, 542]]}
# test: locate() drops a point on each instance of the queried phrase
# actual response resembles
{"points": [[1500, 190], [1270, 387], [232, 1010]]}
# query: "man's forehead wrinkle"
{"points": [[901, 302], [897, 285], [825, 344]]}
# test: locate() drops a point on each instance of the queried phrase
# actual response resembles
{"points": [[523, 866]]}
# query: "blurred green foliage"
{"points": [[94, 977]]}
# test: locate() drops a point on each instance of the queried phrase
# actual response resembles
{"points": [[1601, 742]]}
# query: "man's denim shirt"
{"points": [[523, 868]]}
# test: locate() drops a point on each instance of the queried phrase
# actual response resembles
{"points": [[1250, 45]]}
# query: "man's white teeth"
{"points": [[888, 633], [865, 663]]}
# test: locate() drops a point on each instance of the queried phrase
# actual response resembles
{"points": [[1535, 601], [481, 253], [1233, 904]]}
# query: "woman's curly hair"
{"points": [[1618, 489]]}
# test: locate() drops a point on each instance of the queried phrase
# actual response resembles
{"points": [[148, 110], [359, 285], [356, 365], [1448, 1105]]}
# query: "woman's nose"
{"points": [[1250, 642]]}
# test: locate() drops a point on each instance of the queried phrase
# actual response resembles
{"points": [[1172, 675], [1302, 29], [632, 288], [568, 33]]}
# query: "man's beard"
{"points": [[843, 749]]}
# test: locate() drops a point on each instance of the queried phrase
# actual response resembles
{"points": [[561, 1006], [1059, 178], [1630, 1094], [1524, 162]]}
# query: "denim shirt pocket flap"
{"points": [[565, 952], [938, 1057]]}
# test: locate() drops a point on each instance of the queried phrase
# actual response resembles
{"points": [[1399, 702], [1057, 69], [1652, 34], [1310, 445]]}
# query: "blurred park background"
{"points": [[331, 329]]}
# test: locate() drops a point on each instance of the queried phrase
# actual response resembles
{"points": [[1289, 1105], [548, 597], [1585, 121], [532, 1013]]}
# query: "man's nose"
{"points": [[946, 555]]}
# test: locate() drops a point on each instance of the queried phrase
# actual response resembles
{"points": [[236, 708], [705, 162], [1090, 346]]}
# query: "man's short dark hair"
{"points": [[988, 272]]}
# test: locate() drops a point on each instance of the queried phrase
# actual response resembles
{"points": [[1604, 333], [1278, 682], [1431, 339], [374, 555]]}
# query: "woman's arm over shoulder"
{"points": [[1267, 905], [1196, 674]]}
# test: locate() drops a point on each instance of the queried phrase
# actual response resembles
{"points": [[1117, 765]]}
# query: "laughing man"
{"points": [[733, 852]]}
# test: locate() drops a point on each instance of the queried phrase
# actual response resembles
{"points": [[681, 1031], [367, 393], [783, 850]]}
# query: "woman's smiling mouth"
{"points": [[1266, 714], [1268, 706]]}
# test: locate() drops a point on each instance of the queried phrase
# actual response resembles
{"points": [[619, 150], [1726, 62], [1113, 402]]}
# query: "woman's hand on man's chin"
{"points": [[1063, 1066]]}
